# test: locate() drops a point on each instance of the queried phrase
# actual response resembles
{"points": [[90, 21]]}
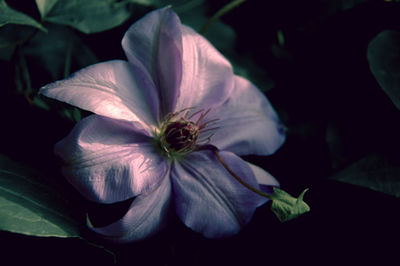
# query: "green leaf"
{"points": [[286, 207], [89, 16], [58, 49], [58, 52], [9, 15], [377, 172], [12, 35], [30, 207], [384, 62]]}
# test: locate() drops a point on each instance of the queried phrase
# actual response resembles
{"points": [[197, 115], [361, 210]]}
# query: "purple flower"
{"points": [[152, 114]]}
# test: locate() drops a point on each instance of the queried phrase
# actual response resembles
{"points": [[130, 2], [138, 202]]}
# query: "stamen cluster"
{"points": [[179, 135]]}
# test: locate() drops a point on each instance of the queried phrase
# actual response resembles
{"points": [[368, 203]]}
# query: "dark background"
{"points": [[322, 87]]}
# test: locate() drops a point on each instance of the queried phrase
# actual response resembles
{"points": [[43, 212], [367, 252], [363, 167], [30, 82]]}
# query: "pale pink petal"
{"points": [[207, 76], [109, 160], [208, 199], [154, 46], [147, 215], [247, 123], [187, 70], [110, 89]]}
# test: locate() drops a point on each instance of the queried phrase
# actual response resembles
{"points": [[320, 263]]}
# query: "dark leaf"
{"points": [[31, 207], [12, 16], [89, 16], [375, 172], [384, 62], [57, 50], [12, 35]]}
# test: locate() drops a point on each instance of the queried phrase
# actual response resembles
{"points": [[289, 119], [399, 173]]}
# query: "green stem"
{"points": [[27, 87], [68, 57], [241, 181], [225, 9]]}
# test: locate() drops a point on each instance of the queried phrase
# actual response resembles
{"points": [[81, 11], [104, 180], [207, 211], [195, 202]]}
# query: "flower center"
{"points": [[179, 134]]}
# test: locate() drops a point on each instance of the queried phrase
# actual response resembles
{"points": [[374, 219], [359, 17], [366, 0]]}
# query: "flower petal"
{"points": [[207, 75], [147, 215], [154, 46], [109, 160], [208, 199], [265, 180], [187, 70], [247, 124], [111, 89]]}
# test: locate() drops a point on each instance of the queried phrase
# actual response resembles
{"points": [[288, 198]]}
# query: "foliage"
{"points": [[378, 172], [10, 16], [89, 16], [29, 206], [384, 58]]}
